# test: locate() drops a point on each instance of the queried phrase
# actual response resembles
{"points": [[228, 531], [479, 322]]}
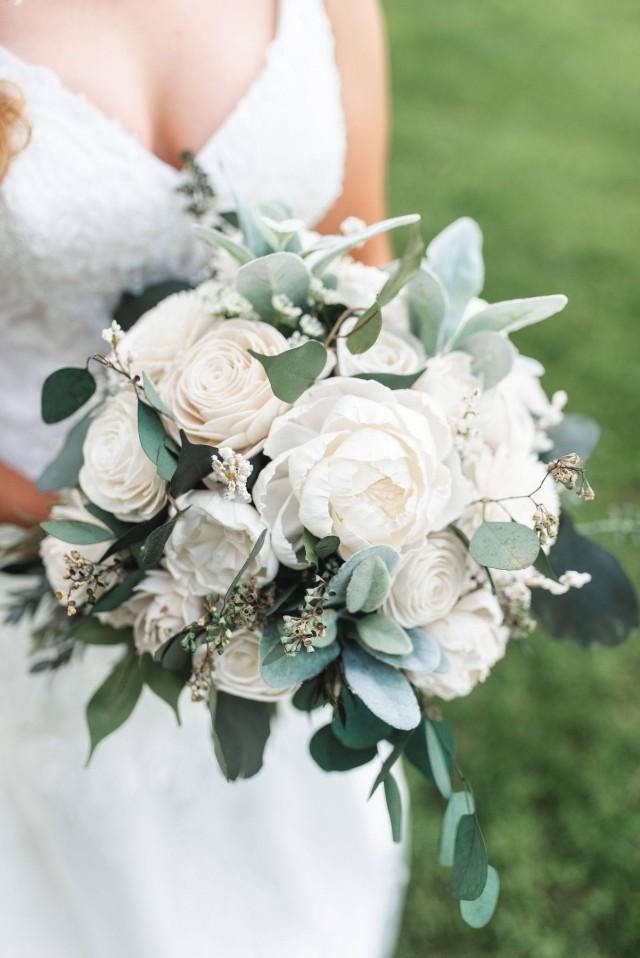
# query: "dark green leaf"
{"points": [[332, 756], [112, 704], [65, 391], [293, 371], [407, 267], [240, 732], [460, 803], [120, 593], [355, 725], [437, 761], [309, 542], [309, 696], [172, 656], [153, 441], [393, 380], [152, 397], [194, 463], [479, 912], [153, 548], [605, 611], [366, 331], [327, 546], [504, 545], [76, 532], [90, 631], [62, 471], [257, 545], [469, 861], [390, 760], [166, 684], [394, 806], [134, 305], [137, 533], [117, 526], [544, 567]]}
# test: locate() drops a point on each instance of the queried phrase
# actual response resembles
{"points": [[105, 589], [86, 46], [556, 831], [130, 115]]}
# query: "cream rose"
{"points": [[393, 352], [237, 670], [157, 610], [428, 580], [221, 395], [155, 343], [212, 540], [368, 464], [116, 474], [53, 551], [472, 638]]}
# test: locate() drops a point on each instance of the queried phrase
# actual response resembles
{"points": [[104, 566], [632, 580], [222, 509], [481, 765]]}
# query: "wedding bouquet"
{"points": [[316, 480]]}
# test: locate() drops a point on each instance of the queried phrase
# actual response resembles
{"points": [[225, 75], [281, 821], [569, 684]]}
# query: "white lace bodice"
{"points": [[87, 212]]}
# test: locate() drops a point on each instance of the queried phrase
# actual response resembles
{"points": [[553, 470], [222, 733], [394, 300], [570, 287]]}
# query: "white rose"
{"points": [[53, 551], [472, 638], [451, 384], [158, 609], [358, 285], [221, 395], [428, 581], [212, 540], [116, 474], [368, 464], [392, 352], [237, 670], [154, 344]]}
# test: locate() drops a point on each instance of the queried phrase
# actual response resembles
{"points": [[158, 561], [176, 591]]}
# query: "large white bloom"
{"points": [[155, 343], [368, 464], [116, 474], [428, 581], [212, 540], [393, 352], [158, 609], [53, 551], [221, 395], [237, 670], [451, 384], [472, 638]]}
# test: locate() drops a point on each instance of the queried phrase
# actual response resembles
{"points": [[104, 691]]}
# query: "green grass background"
{"points": [[527, 117]]}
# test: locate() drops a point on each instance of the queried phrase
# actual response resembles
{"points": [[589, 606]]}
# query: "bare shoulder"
{"points": [[361, 57]]}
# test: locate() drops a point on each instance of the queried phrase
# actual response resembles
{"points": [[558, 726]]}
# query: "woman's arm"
{"points": [[20, 501], [361, 55]]}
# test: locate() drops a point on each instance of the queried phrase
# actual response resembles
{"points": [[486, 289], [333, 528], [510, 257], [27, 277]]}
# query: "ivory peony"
{"points": [[237, 670]]}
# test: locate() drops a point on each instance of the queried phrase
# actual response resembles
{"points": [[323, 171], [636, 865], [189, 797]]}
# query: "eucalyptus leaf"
{"points": [[277, 273], [217, 238], [152, 397], [393, 380], [504, 545], [293, 371], [368, 588], [76, 532], [165, 684], [65, 391], [346, 243], [153, 547], [492, 357], [427, 304], [366, 330], [62, 472], [136, 534], [153, 441], [120, 593], [255, 549], [90, 631], [470, 864], [111, 705], [575, 433], [406, 267], [117, 526], [240, 731], [400, 740], [194, 463], [309, 696], [437, 760], [511, 315], [382, 634], [331, 755], [327, 546], [385, 691], [288, 670], [460, 803], [394, 806], [480, 911]]}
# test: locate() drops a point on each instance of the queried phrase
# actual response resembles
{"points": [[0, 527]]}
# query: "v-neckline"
{"points": [[132, 138]]}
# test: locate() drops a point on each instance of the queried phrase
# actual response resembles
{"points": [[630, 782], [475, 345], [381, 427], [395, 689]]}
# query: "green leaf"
{"points": [[134, 305], [416, 750], [153, 440], [385, 691], [544, 567], [277, 273], [337, 588], [76, 532], [292, 372], [399, 743], [511, 315], [216, 238], [480, 911], [437, 761], [117, 526], [309, 696], [90, 631], [576, 433], [240, 731], [427, 308], [281, 672], [331, 755], [346, 243], [309, 542], [392, 380], [327, 546], [460, 803], [368, 588], [407, 267], [492, 357], [603, 612], [425, 655], [394, 806], [194, 463], [166, 684], [120, 593], [137, 533], [455, 257], [330, 618], [62, 471], [153, 548], [152, 397], [366, 330], [469, 860], [65, 391], [504, 545], [382, 634], [257, 546], [112, 704], [357, 727]]}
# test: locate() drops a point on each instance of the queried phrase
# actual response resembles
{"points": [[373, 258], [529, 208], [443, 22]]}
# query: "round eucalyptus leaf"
{"points": [[479, 912], [65, 391], [76, 532], [460, 803], [294, 370], [504, 545], [331, 755]]}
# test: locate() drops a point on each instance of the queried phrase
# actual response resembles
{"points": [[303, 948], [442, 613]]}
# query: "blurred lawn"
{"points": [[526, 116]]}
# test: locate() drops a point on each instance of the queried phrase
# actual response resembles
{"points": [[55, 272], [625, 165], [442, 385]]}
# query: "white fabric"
{"points": [[149, 853]]}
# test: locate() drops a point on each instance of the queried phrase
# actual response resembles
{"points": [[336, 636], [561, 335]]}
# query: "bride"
{"points": [[149, 853]]}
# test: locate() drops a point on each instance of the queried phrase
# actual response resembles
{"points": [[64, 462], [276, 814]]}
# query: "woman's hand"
{"points": [[20, 501]]}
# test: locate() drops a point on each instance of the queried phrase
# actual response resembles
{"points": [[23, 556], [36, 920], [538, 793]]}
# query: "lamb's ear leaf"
{"points": [[492, 357], [277, 273], [292, 372], [216, 238], [62, 471], [240, 729], [384, 690], [455, 256], [603, 612], [111, 705], [65, 391], [427, 304], [511, 315], [281, 671], [346, 243]]}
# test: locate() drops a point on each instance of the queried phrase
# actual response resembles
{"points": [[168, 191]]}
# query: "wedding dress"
{"points": [[149, 853]]}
